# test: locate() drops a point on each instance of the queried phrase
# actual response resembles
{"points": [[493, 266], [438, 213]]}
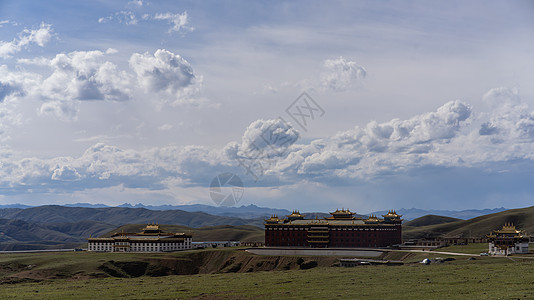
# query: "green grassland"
{"points": [[461, 279], [78, 275]]}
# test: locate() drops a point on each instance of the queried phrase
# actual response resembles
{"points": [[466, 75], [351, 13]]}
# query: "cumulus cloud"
{"points": [[85, 75], [75, 76], [91, 76], [104, 165], [267, 138], [340, 74], [510, 119], [12, 87], [39, 37], [379, 147], [167, 74], [65, 173], [336, 75]]}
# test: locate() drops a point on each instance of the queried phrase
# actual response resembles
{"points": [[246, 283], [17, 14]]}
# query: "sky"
{"points": [[312, 105]]}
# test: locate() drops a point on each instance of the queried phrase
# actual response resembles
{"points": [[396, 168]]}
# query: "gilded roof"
{"points": [[295, 214], [392, 214], [508, 230], [339, 217]]}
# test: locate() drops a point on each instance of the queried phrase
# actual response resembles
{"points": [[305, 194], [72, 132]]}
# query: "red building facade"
{"points": [[341, 230]]}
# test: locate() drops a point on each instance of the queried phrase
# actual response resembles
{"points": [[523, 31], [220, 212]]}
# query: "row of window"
{"points": [[108, 246], [343, 229]]}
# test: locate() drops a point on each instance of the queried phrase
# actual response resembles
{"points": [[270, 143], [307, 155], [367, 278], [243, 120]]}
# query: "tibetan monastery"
{"points": [[152, 239], [508, 240], [342, 229]]}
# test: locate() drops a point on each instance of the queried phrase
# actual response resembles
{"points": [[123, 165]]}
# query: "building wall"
{"points": [[517, 248], [338, 236], [125, 245]]}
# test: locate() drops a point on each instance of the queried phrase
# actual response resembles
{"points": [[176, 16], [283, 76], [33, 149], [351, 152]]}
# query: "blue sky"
{"points": [[426, 105]]}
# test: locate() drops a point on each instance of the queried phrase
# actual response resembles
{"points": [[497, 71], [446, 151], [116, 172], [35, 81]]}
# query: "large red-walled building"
{"points": [[342, 229]]}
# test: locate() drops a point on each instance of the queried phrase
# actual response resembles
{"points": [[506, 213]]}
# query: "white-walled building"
{"points": [[508, 240], [152, 239]]}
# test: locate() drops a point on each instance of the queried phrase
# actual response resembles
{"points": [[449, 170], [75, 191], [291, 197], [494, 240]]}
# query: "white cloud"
{"points": [[340, 74], [76, 76], [165, 127], [178, 21], [138, 3], [62, 110], [168, 75], [105, 19], [27, 37], [3, 22], [123, 17], [13, 85], [65, 173], [379, 147], [267, 138], [507, 114], [446, 137], [84, 75], [90, 75]]}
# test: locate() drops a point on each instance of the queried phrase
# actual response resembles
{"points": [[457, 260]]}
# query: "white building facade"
{"points": [[152, 239]]}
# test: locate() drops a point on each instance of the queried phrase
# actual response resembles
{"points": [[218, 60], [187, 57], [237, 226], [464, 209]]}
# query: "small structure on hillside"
{"points": [[151, 239], [508, 240]]}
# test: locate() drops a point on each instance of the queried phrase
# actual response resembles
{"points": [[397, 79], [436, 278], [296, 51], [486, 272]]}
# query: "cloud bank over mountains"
{"points": [[451, 136]]}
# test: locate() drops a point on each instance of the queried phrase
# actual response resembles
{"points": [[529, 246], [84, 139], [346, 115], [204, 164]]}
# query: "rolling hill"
{"points": [[52, 226], [22, 235], [430, 220], [244, 233], [522, 218], [121, 215]]}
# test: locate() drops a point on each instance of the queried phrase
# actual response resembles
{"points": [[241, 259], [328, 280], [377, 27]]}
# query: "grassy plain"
{"points": [[473, 248], [483, 278], [460, 279]]}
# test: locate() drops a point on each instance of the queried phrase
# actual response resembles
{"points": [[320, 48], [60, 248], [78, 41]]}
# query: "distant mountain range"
{"points": [[53, 226], [253, 211], [414, 213]]}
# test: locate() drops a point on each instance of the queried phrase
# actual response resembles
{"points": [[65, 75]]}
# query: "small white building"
{"points": [[508, 240], [152, 239]]}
